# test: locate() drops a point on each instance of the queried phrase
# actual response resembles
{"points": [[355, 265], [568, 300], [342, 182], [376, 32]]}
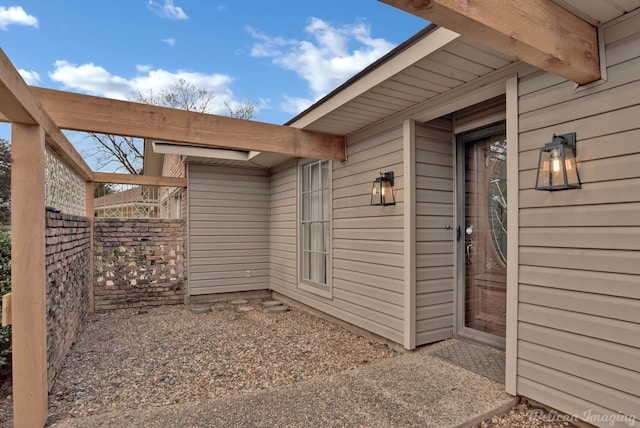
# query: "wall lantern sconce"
{"points": [[382, 191], [557, 169]]}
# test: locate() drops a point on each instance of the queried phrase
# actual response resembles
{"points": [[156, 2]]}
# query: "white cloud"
{"points": [[16, 15], [163, 79], [96, 80], [269, 46], [170, 41], [330, 56], [167, 10], [294, 105], [92, 79], [31, 77]]}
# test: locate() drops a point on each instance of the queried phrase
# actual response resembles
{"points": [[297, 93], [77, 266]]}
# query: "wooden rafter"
{"points": [[18, 105], [88, 113], [538, 32]]}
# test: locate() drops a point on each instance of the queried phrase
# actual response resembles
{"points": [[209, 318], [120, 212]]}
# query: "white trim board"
{"points": [[409, 164], [511, 353]]}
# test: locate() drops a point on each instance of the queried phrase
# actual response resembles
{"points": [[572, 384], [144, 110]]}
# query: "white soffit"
{"points": [[459, 62], [168, 148], [151, 161], [598, 12], [432, 63]]}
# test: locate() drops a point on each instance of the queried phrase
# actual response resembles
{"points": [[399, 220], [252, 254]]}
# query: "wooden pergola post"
{"points": [[28, 276], [90, 204]]}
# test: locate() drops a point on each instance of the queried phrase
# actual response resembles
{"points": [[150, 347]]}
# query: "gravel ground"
{"points": [[128, 359], [143, 358]]}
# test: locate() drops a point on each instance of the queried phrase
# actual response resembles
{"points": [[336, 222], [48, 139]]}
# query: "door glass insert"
{"points": [[485, 237], [497, 198]]}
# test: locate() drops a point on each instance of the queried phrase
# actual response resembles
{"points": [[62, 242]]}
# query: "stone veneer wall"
{"points": [[138, 262], [68, 253]]}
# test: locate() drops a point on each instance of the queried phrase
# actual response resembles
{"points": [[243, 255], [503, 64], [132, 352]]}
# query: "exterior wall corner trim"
{"points": [[511, 354]]}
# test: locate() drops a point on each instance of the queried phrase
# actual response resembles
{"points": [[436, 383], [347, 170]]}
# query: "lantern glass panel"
{"points": [[571, 167], [387, 192], [544, 169], [376, 192]]}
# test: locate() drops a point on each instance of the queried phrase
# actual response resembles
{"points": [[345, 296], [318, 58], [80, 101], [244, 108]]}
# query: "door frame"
{"points": [[460, 141]]}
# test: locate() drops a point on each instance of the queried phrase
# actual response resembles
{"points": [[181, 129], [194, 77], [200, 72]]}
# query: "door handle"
{"points": [[468, 251]]}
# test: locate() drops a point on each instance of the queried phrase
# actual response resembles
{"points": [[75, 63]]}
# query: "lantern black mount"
{"points": [[382, 190], [557, 167]]}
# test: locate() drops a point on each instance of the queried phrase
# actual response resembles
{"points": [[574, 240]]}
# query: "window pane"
{"points": [[317, 237], [325, 269], [318, 268], [322, 268], [316, 207], [313, 268], [305, 178], [306, 206], [306, 265], [325, 205], [325, 174], [315, 176], [326, 237], [306, 236]]}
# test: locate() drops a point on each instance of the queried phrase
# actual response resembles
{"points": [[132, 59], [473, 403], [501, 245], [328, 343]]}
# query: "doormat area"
{"points": [[479, 359]]}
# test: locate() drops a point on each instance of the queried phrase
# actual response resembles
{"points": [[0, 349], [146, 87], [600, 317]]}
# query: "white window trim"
{"points": [[323, 290]]}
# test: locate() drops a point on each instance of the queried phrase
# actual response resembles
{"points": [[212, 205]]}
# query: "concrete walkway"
{"points": [[412, 390]]}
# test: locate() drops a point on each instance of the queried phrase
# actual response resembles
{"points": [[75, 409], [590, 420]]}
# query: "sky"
{"points": [[281, 56]]}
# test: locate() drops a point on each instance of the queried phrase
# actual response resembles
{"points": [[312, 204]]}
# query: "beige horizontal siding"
{"points": [[584, 237], [605, 352], [367, 273], [613, 261], [579, 293], [228, 229], [605, 215], [434, 242], [581, 280], [367, 241], [595, 326], [625, 309], [282, 262], [562, 383]]}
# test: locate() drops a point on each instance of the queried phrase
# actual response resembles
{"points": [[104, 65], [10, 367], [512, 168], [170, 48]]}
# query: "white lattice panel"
{"points": [[64, 189], [128, 201]]}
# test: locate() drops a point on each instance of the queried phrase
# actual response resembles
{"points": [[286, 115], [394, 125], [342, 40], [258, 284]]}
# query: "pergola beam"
{"points": [[538, 32], [18, 105], [142, 180], [88, 113]]}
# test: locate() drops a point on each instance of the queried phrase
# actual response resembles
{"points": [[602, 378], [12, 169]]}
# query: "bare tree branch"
{"points": [[183, 95], [244, 110], [127, 153]]}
